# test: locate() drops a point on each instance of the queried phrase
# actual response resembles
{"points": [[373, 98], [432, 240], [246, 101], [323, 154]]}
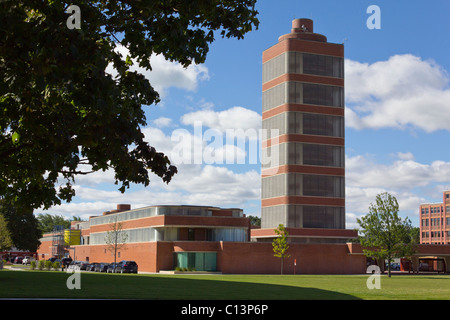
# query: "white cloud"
{"points": [[162, 122], [403, 174], [404, 178], [401, 92], [233, 118], [405, 155], [193, 185], [224, 137], [166, 74]]}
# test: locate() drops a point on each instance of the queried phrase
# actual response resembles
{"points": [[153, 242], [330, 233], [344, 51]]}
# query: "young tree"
{"points": [[115, 238], [280, 245], [383, 234], [62, 115]]}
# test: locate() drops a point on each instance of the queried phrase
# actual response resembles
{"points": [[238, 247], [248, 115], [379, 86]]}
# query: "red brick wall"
{"points": [[311, 259], [233, 257], [45, 250]]}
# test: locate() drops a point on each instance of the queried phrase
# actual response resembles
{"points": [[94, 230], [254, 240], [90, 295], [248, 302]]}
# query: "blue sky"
{"points": [[397, 110]]}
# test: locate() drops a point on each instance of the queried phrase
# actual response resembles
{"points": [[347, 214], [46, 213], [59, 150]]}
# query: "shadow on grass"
{"points": [[52, 284]]}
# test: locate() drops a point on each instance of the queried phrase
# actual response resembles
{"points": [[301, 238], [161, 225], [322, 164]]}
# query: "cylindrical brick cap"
{"points": [[302, 25]]}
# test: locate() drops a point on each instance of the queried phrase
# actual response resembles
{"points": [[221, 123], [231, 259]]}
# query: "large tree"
{"points": [[62, 115], [22, 225], [5, 235], [383, 234], [47, 222]]}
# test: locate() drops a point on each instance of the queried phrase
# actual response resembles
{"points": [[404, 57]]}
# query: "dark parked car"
{"points": [[101, 267], [395, 266], [127, 266], [18, 260], [110, 268], [78, 265], [65, 262], [91, 266]]}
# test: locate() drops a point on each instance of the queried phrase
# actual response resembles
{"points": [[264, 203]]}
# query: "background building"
{"points": [[435, 221], [303, 98]]}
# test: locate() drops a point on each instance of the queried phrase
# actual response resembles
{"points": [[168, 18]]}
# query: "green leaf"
{"points": [[15, 137], [128, 61]]}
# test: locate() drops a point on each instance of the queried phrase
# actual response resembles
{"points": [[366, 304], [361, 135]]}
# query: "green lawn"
{"points": [[52, 284]]}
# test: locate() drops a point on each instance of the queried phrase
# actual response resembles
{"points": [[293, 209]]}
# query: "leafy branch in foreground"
{"points": [[62, 115]]}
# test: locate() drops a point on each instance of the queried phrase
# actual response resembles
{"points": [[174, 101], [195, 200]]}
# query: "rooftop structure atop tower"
{"points": [[303, 29]]}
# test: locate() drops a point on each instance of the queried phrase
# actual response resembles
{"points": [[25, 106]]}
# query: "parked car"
{"points": [[73, 265], [27, 260], [423, 266], [65, 262], [77, 265], [91, 266], [111, 267], [101, 267], [127, 266], [395, 266], [18, 260], [83, 265]]}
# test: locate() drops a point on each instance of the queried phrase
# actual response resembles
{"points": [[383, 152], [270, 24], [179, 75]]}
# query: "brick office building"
{"points": [[435, 221], [205, 238]]}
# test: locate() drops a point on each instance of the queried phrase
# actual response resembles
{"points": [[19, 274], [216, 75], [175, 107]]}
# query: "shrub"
{"points": [[48, 265], [56, 265], [33, 265], [41, 264]]}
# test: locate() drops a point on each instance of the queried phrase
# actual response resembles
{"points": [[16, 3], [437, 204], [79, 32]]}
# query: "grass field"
{"points": [[52, 284]]}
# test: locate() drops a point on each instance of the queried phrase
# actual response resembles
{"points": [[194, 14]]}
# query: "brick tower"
{"points": [[303, 98]]}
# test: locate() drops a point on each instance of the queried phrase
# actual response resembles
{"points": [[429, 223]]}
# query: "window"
{"points": [[191, 234], [274, 68], [323, 186], [324, 125], [274, 97], [271, 217], [274, 186], [323, 95], [323, 217], [200, 261], [303, 216], [323, 65], [307, 63], [323, 155]]}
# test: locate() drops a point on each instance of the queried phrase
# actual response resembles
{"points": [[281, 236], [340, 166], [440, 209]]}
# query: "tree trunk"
{"points": [[389, 267]]}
